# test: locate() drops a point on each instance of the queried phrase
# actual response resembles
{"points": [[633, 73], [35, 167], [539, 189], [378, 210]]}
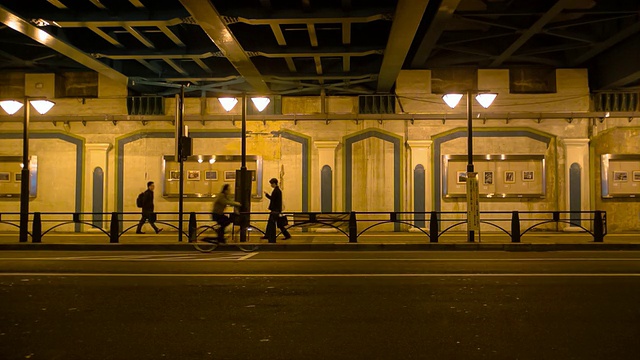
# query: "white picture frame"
{"points": [[528, 175], [461, 177], [509, 177], [487, 178], [5, 176], [193, 175], [211, 175], [620, 176], [230, 175], [636, 175], [174, 175], [17, 177]]}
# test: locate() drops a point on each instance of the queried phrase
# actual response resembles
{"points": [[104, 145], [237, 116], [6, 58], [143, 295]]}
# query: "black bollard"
{"points": [[515, 227], [114, 231], [353, 228], [193, 227], [433, 227], [36, 230]]}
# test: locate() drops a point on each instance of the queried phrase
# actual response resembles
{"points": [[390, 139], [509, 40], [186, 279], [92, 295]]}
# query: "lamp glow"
{"points": [[11, 106], [486, 99], [452, 99], [261, 102], [228, 102], [42, 106]]}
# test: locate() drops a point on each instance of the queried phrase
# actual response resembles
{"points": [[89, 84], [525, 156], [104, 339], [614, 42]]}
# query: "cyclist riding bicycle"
{"points": [[221, 201]]}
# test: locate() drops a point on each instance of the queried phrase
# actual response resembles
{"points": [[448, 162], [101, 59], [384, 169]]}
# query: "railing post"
{"points": [[515, 227], [115, 228], [598, 227], [353, 228], [193, 227], [433, 227], [36, 230]]}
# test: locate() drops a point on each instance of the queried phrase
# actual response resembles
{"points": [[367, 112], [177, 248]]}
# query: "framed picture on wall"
{"points": [[5, 177], [461, 177], [193, 175], [174, 175], [17, 177], [230, 175], [487, 178], [636, 176], [509, 177], [527, 175], [620, 176], [211, 175]]}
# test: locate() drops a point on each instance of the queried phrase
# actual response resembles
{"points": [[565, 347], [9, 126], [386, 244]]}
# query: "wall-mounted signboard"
{"points": [[11, 176], [620, 175], [499, 176], [204, 175]]}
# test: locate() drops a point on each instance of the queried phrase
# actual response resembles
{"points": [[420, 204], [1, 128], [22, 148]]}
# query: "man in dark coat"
{"points": [[275, 206], [147, 209]]}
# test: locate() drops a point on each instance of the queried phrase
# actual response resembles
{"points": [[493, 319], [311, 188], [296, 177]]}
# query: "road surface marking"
{"points": [[248, 256], [35, 274]]}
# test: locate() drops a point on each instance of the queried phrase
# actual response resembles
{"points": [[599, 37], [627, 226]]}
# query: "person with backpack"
{"points": [[145, 201], [219, 204]]}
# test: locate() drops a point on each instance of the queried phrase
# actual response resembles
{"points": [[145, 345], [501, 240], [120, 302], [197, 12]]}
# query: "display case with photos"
{"points": [[11, 176], [620, 175], [204, 175], [499, 176]]}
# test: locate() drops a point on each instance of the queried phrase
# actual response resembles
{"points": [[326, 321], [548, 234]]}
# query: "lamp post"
{"points": [[11, 107], [229, 103], [473, 209]]}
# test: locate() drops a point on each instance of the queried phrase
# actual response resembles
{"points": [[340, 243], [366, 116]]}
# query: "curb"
{"points": [[338, 247]]}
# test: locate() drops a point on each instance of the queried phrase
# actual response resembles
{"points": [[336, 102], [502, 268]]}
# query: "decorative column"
{"points": [[95, 190], [577, 179], [326, 181], [420, 152]]}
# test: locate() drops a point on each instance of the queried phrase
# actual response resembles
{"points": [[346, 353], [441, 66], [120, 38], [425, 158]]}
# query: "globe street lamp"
{"points": [[11, 107], [473, 207], [228, 103]]}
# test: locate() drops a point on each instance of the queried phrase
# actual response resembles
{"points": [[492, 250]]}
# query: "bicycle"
{"points": [[207, 244]]}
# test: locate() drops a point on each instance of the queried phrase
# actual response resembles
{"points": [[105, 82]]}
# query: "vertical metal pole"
{"points": [[24, 181], [470, 168], [180, 127], [243, 170]]}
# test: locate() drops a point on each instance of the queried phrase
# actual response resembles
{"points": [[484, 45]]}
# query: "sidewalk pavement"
{"points": [[323, 241]]}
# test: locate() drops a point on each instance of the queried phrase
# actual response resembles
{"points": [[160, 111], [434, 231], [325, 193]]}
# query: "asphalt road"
{"points": [[319, 305]]}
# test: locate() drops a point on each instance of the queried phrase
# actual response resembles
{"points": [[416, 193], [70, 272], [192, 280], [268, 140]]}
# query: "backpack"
{"points": [[140, 200]]}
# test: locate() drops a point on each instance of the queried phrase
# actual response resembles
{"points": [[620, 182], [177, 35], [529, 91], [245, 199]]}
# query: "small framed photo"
{"points": [[230, 175], [620, 176], [461, 177], [527, 175], [636, 176], [5, 177], [174, 175], [211, 175], [509, 177], [487, 178], [193, 175], [17, 177]]}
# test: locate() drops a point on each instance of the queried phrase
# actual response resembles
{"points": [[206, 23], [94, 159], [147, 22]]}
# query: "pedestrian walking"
{"points": [[275, 208], [219, 204], [145, 201]]}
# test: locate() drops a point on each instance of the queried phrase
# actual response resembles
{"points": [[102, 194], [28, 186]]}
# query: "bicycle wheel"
{"points": [[248, 247], [205, 246]]}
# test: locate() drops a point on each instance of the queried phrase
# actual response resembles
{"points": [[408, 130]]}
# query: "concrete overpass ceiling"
{"points": [[306, 46]]}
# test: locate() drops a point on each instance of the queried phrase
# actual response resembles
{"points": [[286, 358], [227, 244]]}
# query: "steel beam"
{"points": [[214, 26], [405, 24], [536, 28], [20, 25], [609, 42], [618, 67], [437, 26]]}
